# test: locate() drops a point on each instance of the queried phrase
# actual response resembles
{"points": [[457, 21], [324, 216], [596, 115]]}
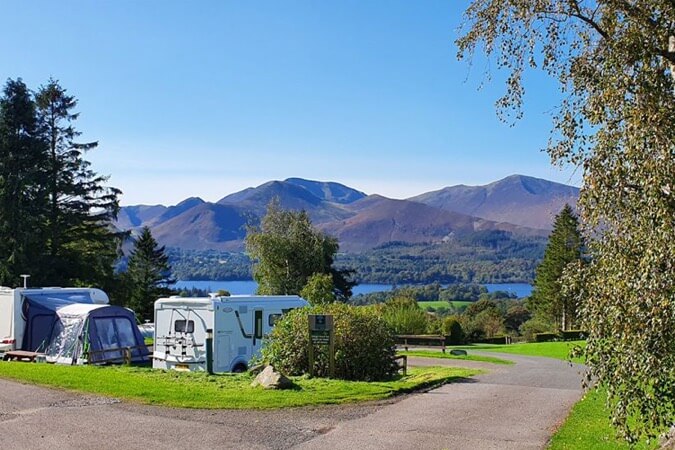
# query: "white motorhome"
{"points": [[12, 319], [238, 324]]}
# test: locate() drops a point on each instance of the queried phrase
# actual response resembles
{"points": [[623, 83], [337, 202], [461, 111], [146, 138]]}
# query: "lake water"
{"points": [[248, 287]]}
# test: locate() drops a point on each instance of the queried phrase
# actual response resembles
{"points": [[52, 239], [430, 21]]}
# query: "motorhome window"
{"points": [[258, 324], [184, 326], [273, 319]]}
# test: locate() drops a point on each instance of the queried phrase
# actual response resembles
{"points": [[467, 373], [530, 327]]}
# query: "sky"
{"points": [[208, 98]]}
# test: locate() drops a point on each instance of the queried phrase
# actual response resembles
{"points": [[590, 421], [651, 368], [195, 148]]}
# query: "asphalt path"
{"points": [[517, 406]]}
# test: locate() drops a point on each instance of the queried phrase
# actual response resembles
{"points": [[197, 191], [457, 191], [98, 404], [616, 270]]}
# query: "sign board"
{"points": [[321, 334], [320, 322], [320, 337]]}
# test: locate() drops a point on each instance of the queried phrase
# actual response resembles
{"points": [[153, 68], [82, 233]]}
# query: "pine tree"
{"points": [[549, 301], [80, 243], [22, 193], [148, 275]]}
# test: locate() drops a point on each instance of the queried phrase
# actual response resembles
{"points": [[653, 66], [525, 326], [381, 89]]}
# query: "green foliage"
{"points": [[288, 250], [450, 262], [148, 275], [404, 316], [364, 344], [319, 289], [483, 319], [532, 327], [615, 62], [452, 329], [427, 292], [55, 210], [549, 301], [546, 337]]}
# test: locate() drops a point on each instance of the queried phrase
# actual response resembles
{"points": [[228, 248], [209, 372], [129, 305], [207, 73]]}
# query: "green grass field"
{"points": [[198, 390], [557, 350], [440, 355], [443, 304], [588, 428]]}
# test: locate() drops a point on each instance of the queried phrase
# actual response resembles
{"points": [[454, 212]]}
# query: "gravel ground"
{"points": [[515, 406]]}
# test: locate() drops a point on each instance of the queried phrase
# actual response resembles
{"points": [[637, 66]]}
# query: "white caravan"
{"points": [[238, 324], [12, 319]]}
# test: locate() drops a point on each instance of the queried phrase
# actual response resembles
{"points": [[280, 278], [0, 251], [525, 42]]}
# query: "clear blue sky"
{"points": [[207, 98]]}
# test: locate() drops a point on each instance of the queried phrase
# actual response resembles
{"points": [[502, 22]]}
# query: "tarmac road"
{"points": [[515, 407]]}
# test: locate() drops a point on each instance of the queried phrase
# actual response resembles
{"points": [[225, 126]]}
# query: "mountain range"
{"points": [[517, 204]]}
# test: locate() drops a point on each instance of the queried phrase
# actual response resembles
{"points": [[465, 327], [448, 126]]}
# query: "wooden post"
{"points": [[310, 351], [331, 351]]}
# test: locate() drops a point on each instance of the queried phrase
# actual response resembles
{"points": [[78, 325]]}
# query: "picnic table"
{"points": [[20, 355]]}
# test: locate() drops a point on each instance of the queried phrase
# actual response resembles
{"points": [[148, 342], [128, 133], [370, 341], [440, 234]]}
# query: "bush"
{"points": [[545, 337], [364, 344], [493, 340], [453, 331], [404, 316], [572, 335], [534, 326]]}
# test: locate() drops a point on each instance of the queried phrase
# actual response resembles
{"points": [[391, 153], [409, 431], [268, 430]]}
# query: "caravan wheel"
{"points": [[239, 368]]}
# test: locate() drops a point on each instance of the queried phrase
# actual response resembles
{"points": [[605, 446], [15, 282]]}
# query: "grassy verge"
{"points": [[557, 350], [440, 355], [192, 390], [588, 427]]}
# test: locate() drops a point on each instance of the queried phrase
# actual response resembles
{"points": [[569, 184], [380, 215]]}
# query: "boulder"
{"points": [[458, 352], [270, 378]]}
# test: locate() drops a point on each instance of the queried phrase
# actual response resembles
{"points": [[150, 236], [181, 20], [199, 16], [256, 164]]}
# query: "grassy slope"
{"points": [[189, 390], [588, 427], [557, 350], [440, 355]]}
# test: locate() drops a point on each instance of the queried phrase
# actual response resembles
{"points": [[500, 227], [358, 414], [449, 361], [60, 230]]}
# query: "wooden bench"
{"points": [[428, 340], [20, 355]]}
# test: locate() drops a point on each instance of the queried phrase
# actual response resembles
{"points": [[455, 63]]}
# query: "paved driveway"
{"points": [[510, 407]]}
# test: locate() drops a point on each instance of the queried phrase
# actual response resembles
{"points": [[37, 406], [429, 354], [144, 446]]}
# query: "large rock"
{"points": [[270, 378]]}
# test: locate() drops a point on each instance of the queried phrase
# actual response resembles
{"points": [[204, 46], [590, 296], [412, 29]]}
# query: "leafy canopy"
{"points": [[615, 61], [288, 250]]}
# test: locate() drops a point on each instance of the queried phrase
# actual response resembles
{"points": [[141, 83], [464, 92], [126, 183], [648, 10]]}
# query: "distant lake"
{"points": [[248, 287]]}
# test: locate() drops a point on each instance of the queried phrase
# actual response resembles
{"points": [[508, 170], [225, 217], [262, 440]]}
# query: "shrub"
{"points": [[572, 335], [534, 326], [453, 331], [405, 317], [364, 344], [545, 337]]}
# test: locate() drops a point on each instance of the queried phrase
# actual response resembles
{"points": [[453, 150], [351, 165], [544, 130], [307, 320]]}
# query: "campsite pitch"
{"points": [[198, 390]]}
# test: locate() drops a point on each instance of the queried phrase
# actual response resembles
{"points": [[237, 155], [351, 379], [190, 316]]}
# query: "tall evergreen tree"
{"points": [[80, 243], [549, 301], [288, 250], [22, 191], [148, 275]]}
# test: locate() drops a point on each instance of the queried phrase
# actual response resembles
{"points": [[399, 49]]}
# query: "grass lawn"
{"points": [[438, 354], [198, 390], [588, 427], [557, 350], [443, 304]]}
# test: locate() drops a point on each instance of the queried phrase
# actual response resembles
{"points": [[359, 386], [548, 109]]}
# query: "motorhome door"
{"points": [[257, 329]]}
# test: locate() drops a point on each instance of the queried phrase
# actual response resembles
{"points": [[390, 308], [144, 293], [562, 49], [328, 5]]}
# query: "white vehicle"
{"points": [[238, 324], [13, 319]]}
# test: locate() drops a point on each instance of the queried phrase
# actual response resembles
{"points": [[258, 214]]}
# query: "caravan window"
{"points": [[184, 326]]}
